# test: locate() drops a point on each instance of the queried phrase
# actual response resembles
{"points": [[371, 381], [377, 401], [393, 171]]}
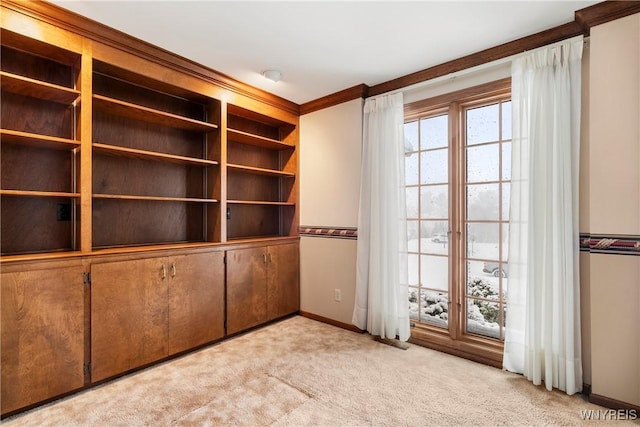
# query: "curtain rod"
{"points": [[479, 68]]}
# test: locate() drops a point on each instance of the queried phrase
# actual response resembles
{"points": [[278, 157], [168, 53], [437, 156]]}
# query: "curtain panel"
{"points": [[381, 305], [542, 335]]}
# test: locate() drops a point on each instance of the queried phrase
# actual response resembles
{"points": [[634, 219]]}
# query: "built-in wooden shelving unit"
{"points": [[39, 148], [261, 173], [126, 170]]}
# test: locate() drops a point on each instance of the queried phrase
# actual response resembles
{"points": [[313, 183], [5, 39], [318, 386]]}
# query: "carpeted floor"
{"points": [[300, 372]]}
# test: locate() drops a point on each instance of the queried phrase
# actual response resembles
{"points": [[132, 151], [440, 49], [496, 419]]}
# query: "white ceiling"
{"points": [[322, 47]]}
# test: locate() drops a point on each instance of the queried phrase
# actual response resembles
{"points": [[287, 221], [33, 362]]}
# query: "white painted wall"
{"points": [[614, 206], [457, 81], [330, 146]]}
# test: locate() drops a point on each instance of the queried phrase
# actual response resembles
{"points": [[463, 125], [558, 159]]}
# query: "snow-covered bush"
{"points": [[483, 316], [413, 296], [488, 310], [430, 304], [436, 305]]}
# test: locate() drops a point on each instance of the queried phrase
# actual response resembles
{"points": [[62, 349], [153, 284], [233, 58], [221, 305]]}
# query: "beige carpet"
{"points": [[300, 372]]}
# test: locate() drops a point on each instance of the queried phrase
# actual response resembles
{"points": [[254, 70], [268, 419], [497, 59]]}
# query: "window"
{"points": [[458, 161]]}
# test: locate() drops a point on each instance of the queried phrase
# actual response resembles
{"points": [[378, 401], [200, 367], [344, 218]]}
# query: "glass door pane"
{"points": [[427, 159], [487, 173]]}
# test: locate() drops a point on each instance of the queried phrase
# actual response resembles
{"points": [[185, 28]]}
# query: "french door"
{"points": [[457, 167]]}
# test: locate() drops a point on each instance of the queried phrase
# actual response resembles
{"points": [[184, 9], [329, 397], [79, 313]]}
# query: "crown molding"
{"points": [[604, 12], [355, 92], [584, 19], [504, 50], [85, 27]]}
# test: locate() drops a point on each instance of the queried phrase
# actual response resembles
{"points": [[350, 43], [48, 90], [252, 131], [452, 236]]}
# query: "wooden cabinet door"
{"points": [[196, 300], [129, 315], [246, 288], [283, 283], [42, 334]]}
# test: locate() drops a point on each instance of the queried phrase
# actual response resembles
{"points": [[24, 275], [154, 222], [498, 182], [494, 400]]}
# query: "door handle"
{"points": [[173, 269], [164, 272]]}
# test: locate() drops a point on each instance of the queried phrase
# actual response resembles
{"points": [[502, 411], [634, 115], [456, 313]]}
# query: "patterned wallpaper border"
{"points": [[331, 232], [610, 244], [593, 243]]}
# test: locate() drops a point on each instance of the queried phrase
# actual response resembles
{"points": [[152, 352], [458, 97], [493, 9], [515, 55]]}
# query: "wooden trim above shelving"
{"points": [[52, 14], [37, 89], [77, 24]]}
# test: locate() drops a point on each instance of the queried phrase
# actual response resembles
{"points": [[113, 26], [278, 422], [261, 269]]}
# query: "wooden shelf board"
{"points": [[257, 237], [257, 140], [149, 155], [37, 89], [58, 53], [235, 110], [147, 247], [139, 247], [259, 202], [56, 254], [260, 171], [28, 193], [150, 115], [152, 198], [36, 140]]}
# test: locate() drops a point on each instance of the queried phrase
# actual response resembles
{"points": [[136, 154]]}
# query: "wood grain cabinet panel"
{"points": [[42, 335], [196, 300], [262, 285], [283, 284], [246, 288], [147, 309], [129, 315]]}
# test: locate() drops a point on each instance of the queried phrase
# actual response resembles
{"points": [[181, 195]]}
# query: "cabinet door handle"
{"points": [[164, 272], [270, 258], [264, 257], [173, 269]]}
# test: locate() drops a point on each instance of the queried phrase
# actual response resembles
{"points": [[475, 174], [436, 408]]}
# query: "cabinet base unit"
{"points": [[42, 332], [144, 310], [144, 199], [262, 285]]}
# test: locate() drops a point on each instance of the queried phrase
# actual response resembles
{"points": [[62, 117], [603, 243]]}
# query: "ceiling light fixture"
{"points": [[273, 75]]}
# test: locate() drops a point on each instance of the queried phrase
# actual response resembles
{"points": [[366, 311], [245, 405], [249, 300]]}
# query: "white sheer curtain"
{"points": [[381, 305], [542, 338]]}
